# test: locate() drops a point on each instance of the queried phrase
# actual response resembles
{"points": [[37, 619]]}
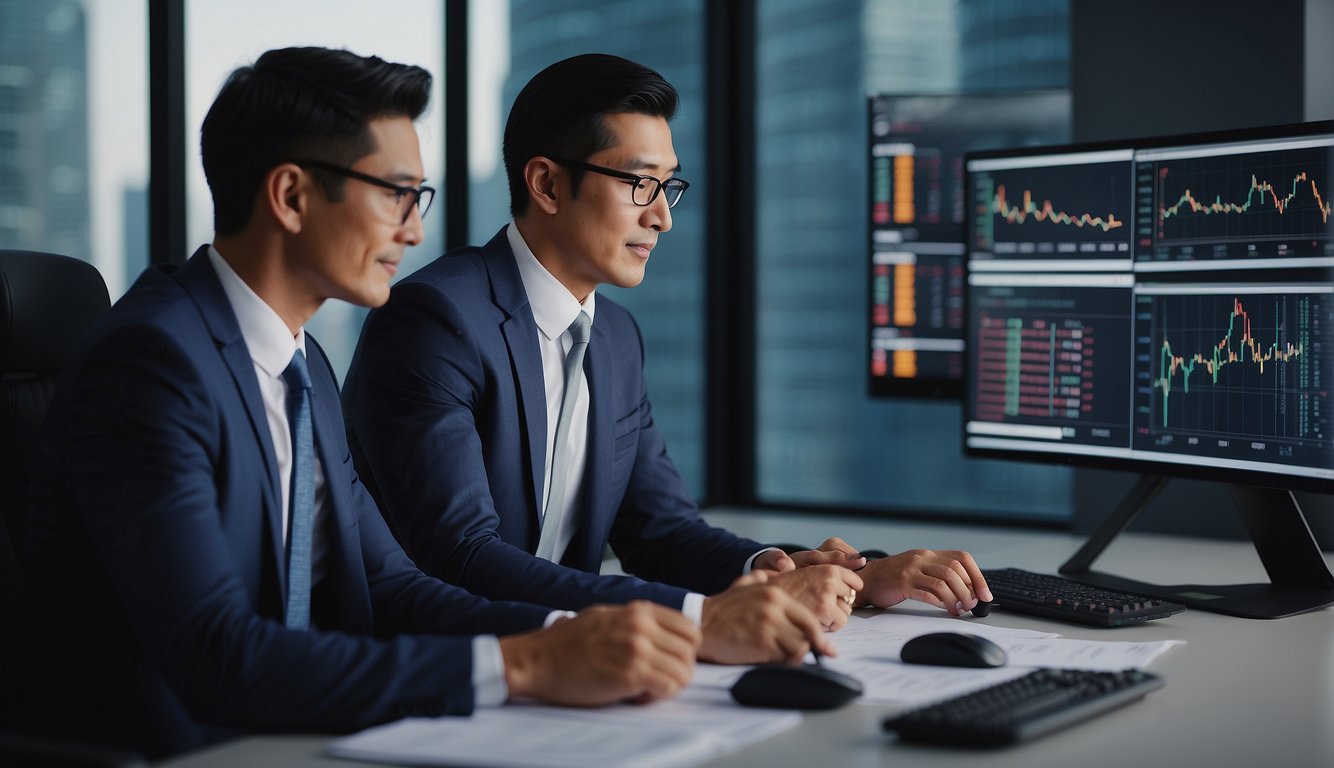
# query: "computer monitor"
{"points": [[916, 145], [1164, 306]]}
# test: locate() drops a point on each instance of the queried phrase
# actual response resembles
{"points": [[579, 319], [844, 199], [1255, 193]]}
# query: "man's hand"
{"points": [[829, 591], [753, 622], [638, 651], [948, 579], [834, 551]]}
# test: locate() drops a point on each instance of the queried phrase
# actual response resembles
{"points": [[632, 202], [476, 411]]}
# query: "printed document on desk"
{"points": [[869, 649], [700, 724]]}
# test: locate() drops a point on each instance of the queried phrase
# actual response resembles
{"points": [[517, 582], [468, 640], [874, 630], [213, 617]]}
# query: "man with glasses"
{"points": [[498, 408], [203, 559]]}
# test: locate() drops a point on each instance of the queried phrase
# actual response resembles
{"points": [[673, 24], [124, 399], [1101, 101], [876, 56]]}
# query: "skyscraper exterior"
{"points": [[44, 185]]}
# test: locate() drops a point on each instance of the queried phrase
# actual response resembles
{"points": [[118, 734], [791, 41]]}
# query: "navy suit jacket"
{"points": [[156, 554], [447, 412]]}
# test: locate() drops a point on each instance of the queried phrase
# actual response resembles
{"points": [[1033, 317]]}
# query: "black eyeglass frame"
{"points": [[635, 179], [401, 191]]}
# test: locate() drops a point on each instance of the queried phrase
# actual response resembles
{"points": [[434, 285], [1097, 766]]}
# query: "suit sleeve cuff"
{"points": [[750, 561], [488, 672]]}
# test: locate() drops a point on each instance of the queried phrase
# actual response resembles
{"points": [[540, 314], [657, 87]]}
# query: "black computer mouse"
{"points": [[803, 686], [983, 608], [953, 649]]}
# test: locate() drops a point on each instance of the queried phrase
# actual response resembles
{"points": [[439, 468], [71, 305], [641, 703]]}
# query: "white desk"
{"points": [[1240, 693]]}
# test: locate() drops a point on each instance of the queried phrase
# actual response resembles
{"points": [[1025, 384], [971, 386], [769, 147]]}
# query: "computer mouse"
{"points": [[873, 554], [803, 686], [983, 608], [953, 649]]}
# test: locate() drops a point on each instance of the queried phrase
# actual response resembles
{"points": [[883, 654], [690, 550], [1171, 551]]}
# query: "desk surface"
{"points": [[1240, 692]]}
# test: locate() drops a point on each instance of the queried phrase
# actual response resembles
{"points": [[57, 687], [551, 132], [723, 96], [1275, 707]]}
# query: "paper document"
{"points": [[869, 649], [696, 726]]}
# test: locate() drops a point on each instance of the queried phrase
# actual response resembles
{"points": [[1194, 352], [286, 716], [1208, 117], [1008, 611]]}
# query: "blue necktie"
{"points": [[302, 509], [560, 460]]}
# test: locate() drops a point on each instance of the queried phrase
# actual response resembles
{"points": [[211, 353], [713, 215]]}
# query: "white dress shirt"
{"points": [[271, 347]]}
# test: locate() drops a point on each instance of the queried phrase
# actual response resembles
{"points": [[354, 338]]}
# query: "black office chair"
{"points": [[47, 302]]}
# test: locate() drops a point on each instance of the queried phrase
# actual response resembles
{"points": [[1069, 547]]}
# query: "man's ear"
{"points": [[540, 181], [285, 194]]}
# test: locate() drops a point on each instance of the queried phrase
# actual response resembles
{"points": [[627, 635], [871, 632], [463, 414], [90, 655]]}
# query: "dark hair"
{"points": [[559, 112], [299, 103]]}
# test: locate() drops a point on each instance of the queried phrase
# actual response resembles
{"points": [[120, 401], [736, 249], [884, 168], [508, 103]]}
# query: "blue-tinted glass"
{"points": [[70, 184], [820, 439]]}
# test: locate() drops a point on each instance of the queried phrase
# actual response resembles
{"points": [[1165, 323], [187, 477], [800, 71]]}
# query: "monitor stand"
{"points": [[1300, 580]]}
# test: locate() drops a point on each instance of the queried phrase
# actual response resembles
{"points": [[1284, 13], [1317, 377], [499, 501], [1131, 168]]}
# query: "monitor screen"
{"points": [[916, 146], [1165, 306]]}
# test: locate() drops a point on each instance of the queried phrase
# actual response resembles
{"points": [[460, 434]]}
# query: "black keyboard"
{"points": [[1033, 705], [1056, 598]]}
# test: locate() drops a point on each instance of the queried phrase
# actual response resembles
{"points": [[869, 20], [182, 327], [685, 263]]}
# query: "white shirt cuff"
{"points": [[488, 672], [693, 607], [750, 561], [551, 617]]}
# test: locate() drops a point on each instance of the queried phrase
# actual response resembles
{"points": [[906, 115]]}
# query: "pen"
{"points": [[819, 660]]}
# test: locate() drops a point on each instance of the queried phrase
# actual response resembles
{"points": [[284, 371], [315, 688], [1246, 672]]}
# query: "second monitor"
{"points": [[916, 145]]}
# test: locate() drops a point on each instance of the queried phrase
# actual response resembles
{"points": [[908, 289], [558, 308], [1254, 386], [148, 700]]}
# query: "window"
{"points": [[820, 439], [223, 36], [511, 42], [70, 184]]}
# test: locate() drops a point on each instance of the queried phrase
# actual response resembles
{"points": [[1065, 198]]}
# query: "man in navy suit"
{"points": [[204, 560], [457, 397]]}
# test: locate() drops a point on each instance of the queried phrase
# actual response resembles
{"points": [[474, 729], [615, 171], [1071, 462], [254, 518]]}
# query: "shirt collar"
{"points": [[554, 307], [266, 336]]}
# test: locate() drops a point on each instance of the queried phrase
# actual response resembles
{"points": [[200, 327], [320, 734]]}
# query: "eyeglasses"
{"points": [[644, 189], [406, 197]]}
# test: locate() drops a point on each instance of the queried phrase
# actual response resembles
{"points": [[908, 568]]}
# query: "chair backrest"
{"points": [[47, 302]]}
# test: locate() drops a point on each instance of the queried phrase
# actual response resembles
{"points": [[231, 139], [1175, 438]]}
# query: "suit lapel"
{"points": [[520, 332], [201, 282]]}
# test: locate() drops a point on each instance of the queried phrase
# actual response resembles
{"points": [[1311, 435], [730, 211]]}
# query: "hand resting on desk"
{"points": [[755, 621], [948, 579], [824, 589], [639, 651]]}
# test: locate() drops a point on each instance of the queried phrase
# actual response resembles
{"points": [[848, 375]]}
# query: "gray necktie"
{"points": [[560, 459], [302, 506]]}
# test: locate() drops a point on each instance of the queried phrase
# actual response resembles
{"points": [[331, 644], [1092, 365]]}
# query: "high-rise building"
{"points": [[44, 127]]}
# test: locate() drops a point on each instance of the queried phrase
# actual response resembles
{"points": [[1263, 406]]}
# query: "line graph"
{"points": [[1245, 200], [1242, 364], [1018, 214], [1261, 188], [1222, 354], [1080, 210]]}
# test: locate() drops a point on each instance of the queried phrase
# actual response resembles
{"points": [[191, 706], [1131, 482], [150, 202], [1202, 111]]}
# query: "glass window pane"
{"points": [[220, 37], [71, 184], [820, 439], [509, 42]]}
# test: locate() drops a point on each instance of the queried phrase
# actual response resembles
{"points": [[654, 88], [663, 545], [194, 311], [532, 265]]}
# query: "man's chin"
{"points": [[629, 279], [370, 297]]}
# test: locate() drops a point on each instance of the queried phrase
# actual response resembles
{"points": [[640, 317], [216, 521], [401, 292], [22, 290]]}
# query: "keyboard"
{"points": [[1056, 598], [1033, 705]]}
